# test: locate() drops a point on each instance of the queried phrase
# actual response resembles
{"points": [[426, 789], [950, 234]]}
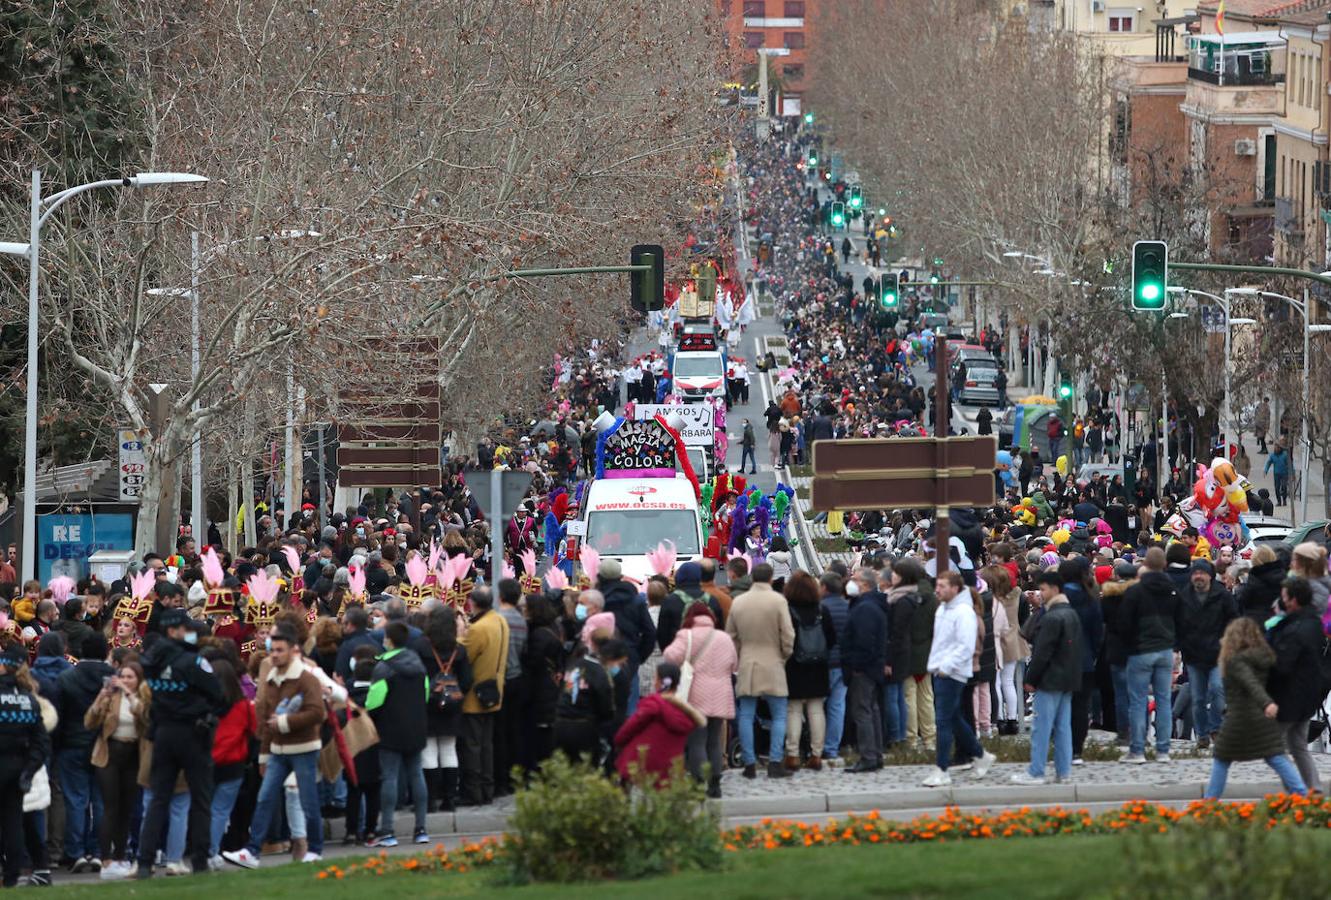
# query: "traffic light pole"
{"points": [[1261, 270], [534, 273]]}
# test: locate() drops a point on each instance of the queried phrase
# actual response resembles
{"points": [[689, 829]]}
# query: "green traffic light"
{"points": [[838, 219], [1065, 390], [881, 212], [808, 118], [813, 160], [856, 202], [933, 279], [1151, 291]]}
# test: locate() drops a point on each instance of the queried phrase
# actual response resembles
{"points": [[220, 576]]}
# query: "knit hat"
{"points": [[1202, 565], [1125, 570], [611, 570], [687, 575]]}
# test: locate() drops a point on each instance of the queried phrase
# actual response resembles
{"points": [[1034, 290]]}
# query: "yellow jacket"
{"points": [[487, 650]]}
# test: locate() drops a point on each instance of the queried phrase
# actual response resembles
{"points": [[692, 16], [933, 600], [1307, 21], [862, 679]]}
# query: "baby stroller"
{"points": [[762, 736]]}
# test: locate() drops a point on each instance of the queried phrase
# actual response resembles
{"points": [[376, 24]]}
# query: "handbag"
{"points": [[356, 736], [686, 670], [445, 692], [487, 693]]}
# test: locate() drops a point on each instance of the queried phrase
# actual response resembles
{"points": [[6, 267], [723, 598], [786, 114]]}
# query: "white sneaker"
{"points": [[216, 863], [1162, 757], [116, 871], [833, 762], [938, 778], [310, 856], [1078, 761], [179, 867], [1133, 759], [242, 857], [1027, 778], [984, 764]]}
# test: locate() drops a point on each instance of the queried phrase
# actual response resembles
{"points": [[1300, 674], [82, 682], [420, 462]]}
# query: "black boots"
{"points": [[778, 770], [448, 779], [714, 787]]}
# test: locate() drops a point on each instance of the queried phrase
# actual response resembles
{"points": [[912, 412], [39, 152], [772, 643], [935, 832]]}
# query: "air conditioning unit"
{"points": [[1245, 147], [1097, 6]]}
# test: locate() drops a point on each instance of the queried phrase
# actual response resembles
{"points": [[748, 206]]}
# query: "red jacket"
{"points": [[662, 725], [231, 744]]}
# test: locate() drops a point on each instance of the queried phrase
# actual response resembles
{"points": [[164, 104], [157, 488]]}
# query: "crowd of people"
{"points": [[210, 708]]}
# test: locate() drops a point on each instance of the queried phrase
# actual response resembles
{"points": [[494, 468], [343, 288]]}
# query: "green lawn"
{"points": [[1030, 868]]}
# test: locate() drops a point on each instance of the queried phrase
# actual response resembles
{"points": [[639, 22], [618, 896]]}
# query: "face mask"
{"points": [[191, 637], [580, 612], [852, 589], [614, 670], [268, 644], [360, 532]]}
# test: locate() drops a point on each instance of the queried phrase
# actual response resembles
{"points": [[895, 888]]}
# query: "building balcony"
{"points": [[1205, 99], [1237, 77]]}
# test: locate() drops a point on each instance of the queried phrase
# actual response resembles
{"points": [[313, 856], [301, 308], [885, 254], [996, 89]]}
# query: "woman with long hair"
{"points": [[711, 653], [119, 718], [439, 759], [236, 731], [1249, 729], [807, 675]]}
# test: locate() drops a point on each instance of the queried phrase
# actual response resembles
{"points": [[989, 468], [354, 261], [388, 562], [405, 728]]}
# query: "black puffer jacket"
{"points": [[1149, 614], [1295, 678], [1259, 593], [1202, 620], [24, 743], [1056, 663], [809, 681], [78, 688], [632, 620]]}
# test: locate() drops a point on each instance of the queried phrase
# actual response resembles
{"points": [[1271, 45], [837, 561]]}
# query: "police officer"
{"points": [[24, 748], [186, 700]]}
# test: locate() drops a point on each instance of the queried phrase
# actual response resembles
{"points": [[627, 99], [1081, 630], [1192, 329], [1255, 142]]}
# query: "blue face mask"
{"points": [[268, 644], [191, 637], [613, 670], [580, 612]]}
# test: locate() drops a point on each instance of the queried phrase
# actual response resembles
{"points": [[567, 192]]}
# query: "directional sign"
{"points": [[133, 464], [903, 473]]}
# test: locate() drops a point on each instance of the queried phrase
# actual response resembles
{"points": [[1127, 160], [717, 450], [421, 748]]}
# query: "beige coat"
{"points": [[760, 626]]}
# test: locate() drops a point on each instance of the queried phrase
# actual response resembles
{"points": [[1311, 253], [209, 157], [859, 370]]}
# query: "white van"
{"points": [[627, 518], [698, 375]]}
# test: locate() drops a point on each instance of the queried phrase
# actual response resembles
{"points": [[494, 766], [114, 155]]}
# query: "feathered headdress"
{"points": [[530, 583], [262, 608], [416, 591], [356, 583], [556, 580], [221, 600], [591, 564], [61, 587], [662, 559], [432, 565], [297, 572], [460, 593], [141, 584]]}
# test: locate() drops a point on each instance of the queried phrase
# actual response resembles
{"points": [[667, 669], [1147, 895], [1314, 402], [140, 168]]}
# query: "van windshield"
{"points": [[695, 366], [635, 532]]}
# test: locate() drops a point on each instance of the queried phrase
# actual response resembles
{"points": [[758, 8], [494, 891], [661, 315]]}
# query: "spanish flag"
{"points": [[1220, 18]]}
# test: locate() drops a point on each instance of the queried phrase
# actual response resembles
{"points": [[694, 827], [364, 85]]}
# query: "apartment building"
{"points": [[778, 29]]}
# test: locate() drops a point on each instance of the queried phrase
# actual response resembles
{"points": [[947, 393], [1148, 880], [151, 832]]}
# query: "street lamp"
{"points": [[39, 211], [1309, 329], [1226, 413], [197, 259]]}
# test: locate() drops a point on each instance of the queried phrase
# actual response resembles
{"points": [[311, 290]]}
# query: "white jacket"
{"points": [[955, 630], [38, 796]]}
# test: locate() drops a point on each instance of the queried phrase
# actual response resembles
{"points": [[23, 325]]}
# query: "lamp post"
{"points": [[197, 259], [39, 211], [1226, 413], [1308, 330]]}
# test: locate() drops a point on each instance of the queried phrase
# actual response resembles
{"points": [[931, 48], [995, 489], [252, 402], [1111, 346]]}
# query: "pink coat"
{"points": [[712, 692], [600, 621]]}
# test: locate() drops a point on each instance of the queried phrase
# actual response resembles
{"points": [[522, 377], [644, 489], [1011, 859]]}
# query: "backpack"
{"points": [[810, 642], [1324, 668], [445, 691]]}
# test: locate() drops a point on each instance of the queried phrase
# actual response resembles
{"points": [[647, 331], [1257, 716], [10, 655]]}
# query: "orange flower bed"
{"points": [[1274, 811]]}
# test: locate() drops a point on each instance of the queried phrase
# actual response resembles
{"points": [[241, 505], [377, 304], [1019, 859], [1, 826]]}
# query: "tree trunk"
{"points": [[232, 489], [150, 499]]}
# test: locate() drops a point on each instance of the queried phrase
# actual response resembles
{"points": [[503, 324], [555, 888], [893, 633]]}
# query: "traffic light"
{"points": [[881, 212], [808, 118], [889, 290], [647, 289], [1150, 275], [933, 278], [813, 159], [856, 197], [1064, 387], [838, 215]]}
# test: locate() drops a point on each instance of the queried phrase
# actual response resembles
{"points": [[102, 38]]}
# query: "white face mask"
{"points": [[852, 588]]}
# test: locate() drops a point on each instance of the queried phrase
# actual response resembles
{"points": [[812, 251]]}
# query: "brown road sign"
{"points": [[395, 478], [903, 473], [366, 432]]}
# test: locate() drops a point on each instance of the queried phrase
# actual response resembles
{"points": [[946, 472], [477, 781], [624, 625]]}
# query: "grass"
{"points": [[1009, 749], [804, 493], [831, 545], [1071, 866], [801, 471]]}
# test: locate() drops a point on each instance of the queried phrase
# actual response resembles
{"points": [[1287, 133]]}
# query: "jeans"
{"points": [[1284, 767], [1054, 444], [1282, 489], [1053, 716], [635, 694], [748, 707], [177, 824], [83, 803], [391, 762], [835, 710], [224, 800], [951, 724], [1150, 673], [748, 457], [894, 712], [272, 797], [1208, 699]]}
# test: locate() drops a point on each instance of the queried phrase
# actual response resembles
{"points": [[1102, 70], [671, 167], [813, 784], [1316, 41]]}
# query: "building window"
{"points": [[755, 9], [1120, 20], [793, 73], [794, 40], [753, 39], [794, 9]]}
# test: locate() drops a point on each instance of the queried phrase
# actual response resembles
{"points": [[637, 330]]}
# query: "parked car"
{"points": [[1314, 531], [1264, 530]]}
